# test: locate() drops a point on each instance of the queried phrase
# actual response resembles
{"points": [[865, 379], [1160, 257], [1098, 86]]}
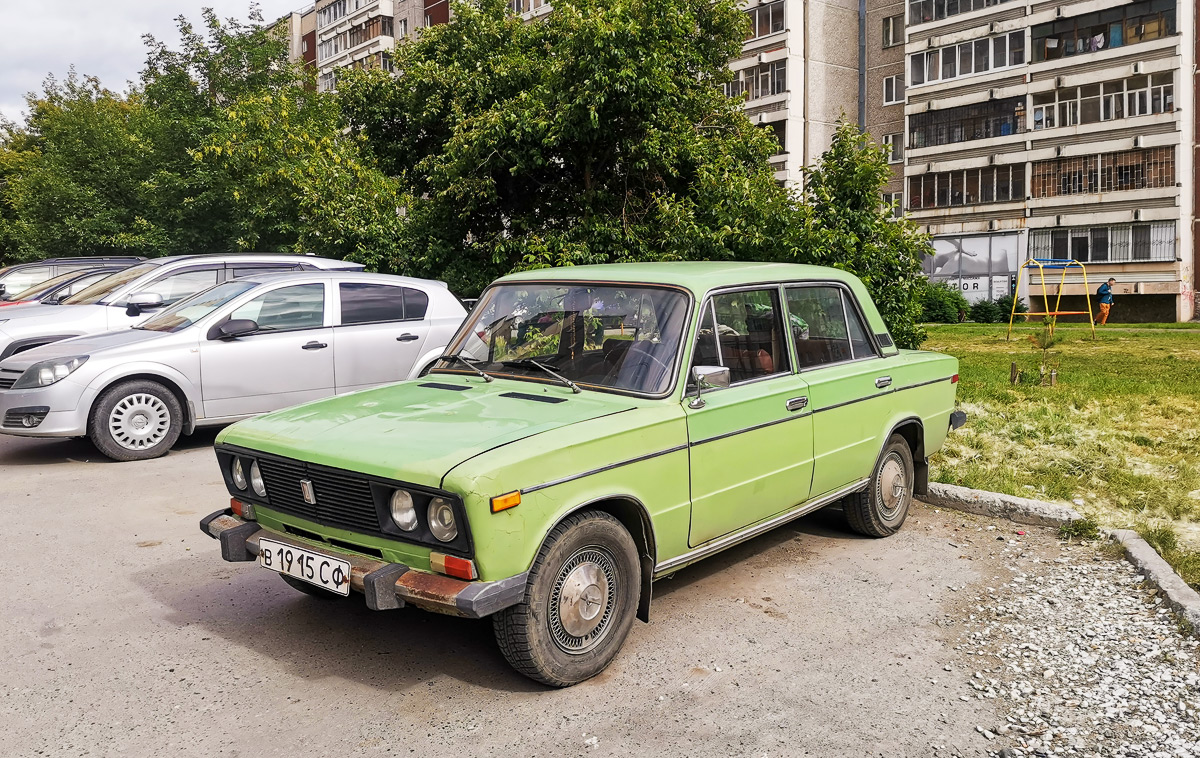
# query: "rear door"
{"points": [[380, 334], [288, 361], [849, 390], [751, 443]]}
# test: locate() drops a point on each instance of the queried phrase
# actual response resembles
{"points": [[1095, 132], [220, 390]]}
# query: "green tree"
{"points": [[598, 134]]}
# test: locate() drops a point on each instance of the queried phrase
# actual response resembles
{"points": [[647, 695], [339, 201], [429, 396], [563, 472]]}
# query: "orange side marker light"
{"points": [[504, 502]]}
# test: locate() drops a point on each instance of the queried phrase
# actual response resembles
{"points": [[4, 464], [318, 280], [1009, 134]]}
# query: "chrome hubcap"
{"points": [[139, 421], [892, 487], [582, 601]]}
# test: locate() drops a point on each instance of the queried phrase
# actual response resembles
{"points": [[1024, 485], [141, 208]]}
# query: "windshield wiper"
{"points": [[467, 362], [531, 362]]}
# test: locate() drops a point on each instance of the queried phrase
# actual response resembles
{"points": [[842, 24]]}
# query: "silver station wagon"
{"points": [[244, 347]]}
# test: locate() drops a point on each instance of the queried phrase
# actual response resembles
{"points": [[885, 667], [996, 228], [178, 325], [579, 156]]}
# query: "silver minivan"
{"points": [[243, 347]]}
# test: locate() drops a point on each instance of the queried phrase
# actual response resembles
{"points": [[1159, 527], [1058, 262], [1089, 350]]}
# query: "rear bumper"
{"points": [[384, 585]]}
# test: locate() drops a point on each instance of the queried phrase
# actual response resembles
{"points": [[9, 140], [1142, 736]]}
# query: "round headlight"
{"points": [[403, 512], [441, 520], [256, 480], [239, 474]]}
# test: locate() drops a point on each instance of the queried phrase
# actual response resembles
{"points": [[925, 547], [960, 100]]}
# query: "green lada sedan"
{"points": [[588, 431]]}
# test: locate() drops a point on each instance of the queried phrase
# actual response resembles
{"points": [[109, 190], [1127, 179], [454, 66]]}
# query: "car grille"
{"points": [[8, 378], [342, 501]]}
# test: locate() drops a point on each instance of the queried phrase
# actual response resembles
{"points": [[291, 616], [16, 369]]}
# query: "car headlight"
{"points": [[45, 373], [238, 473], [256, 480], [404, 513], [441, 519]]}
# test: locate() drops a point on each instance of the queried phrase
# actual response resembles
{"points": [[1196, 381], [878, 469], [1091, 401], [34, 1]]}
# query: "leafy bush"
{"points": [[1085, 528], [987, 312], [1005, 304], [942, 303]]}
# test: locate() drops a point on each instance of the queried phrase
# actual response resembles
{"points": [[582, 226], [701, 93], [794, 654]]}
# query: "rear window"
{"points": [[364, 303]]}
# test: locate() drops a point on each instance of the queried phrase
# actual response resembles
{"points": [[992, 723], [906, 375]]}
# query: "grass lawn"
{"points": [[1120, 432]]}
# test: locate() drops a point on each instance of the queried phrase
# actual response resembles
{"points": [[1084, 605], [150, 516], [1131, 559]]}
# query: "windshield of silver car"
{"points": [[110, 284], [187, 312], [615, 337]]}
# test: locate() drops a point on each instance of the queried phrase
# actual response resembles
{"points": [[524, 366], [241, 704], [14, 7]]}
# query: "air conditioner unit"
{"points": [[992, 225], [1137, 67], [1137, 215], [994, 27]]}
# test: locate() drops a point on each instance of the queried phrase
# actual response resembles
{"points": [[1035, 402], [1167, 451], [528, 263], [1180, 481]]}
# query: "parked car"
{"points": [[22, 276], [590, 430], [123, 299], [246, 346], [60, 287]]}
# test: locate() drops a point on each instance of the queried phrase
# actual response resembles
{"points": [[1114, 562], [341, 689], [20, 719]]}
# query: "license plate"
{"points": [[332, 574]]}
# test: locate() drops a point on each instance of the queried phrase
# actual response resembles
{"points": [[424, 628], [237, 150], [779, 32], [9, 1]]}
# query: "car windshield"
{"points": [[616, 337], [109, 284], [187, 312]]}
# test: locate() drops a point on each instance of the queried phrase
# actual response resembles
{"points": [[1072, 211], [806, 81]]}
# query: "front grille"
{"points": [[8, 378], [342, 501]]}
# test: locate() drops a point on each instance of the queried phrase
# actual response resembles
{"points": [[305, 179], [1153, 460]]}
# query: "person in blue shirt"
{"points": [[1106, 300]]}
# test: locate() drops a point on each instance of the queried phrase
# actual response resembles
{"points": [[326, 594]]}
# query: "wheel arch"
{"points": [[912, 429], [189, 414]]}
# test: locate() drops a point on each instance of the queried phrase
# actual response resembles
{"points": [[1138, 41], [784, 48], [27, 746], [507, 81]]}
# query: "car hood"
{"points": [[33, 319], [95, 345], [417, 431]]}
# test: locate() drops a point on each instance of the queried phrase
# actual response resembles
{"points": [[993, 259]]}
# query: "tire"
{"points": [[310, 589], [135, 421], [880, 509], [590, 558]]}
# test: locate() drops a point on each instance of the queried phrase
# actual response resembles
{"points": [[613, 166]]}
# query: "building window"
{"points": [[893, 89], [895, 147], [893, 31], [401, 28], [332, 12], [994, 118], [763, 80], [974, 186], [765, 19], [895, 202], [923, 11], [1112, 172], [1121, 243], [525, 6], [967, 59], [304, 46], [1123, 98], [778, 131], [1115, 27], [327, 82]]}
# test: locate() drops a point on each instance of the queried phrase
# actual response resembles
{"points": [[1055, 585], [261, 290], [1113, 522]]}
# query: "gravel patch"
{"points": [[1082, 658]]}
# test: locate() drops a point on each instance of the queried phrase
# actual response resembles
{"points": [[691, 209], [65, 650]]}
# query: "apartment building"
{"points": [[1040, 129]]}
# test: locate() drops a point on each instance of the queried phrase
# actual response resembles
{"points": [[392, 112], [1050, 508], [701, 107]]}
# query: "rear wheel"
{"points": [[135, 420], [580, 601], [880, 509]]}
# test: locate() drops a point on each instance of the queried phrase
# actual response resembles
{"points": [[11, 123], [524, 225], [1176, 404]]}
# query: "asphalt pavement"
{"points": [[124, 633]]}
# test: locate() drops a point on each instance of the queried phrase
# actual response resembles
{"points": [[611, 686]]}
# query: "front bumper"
{"points": [[62, 407], [384, 585]]}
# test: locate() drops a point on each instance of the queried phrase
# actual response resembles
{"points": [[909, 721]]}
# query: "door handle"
{"points": [[796, 404], [883, 381], [314, 345], [407, 338]]}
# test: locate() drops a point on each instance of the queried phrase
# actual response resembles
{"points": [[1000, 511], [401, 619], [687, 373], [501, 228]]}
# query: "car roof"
{"points": [[312, 260], [698, 276]]}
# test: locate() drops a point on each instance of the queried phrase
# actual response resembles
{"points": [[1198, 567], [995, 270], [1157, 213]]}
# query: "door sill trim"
{"points": [[734, 538]]}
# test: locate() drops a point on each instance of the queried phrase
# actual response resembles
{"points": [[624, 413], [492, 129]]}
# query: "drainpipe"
{"points": [[862, 64], [805, 91]]}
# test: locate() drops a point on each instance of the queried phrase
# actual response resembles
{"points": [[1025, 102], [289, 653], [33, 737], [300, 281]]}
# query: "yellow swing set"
{"points": [[1053, 264]]}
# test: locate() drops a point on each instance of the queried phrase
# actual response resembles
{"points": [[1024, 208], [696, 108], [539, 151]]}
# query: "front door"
{"points": [[751, 443], [289, 360], [381, 333]]}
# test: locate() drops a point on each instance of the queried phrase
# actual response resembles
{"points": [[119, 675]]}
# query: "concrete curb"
{"points": [[1181, 597], [1019, 509]]}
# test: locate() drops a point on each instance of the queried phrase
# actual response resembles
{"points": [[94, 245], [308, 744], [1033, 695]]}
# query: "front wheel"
{"points": [[880, 509], [135, 420], [580, 601]]}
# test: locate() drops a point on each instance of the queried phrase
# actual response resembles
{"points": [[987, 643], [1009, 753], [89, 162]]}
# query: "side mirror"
{"points": [[234, 328], [142, 301], [3, 289], [707, 377]]}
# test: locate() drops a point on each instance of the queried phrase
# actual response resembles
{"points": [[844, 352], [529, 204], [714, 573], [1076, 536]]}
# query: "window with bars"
{"points": [[994, 118], [895, 147], [893, 31], [1119, 243], [974, 186], [1105, 29], [893, 89], [765, 20], [759, 81], [1113, 172], [1108, 101], [967, 59], [923, 11]]}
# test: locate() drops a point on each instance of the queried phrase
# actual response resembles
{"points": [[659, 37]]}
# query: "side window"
{"points": [[24, 278], [241, 271], [175, 287], [416, 303], [301, 306], [826, 329], [746, 336], [370, 303], [81, 285]]}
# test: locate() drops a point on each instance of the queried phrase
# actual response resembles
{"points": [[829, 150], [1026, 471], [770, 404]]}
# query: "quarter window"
{"points": [[825, 327], [746, 336], [301, 306]]}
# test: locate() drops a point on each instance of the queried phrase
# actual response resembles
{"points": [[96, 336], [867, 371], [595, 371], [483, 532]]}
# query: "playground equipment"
{"points": [[1053, 264]]}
